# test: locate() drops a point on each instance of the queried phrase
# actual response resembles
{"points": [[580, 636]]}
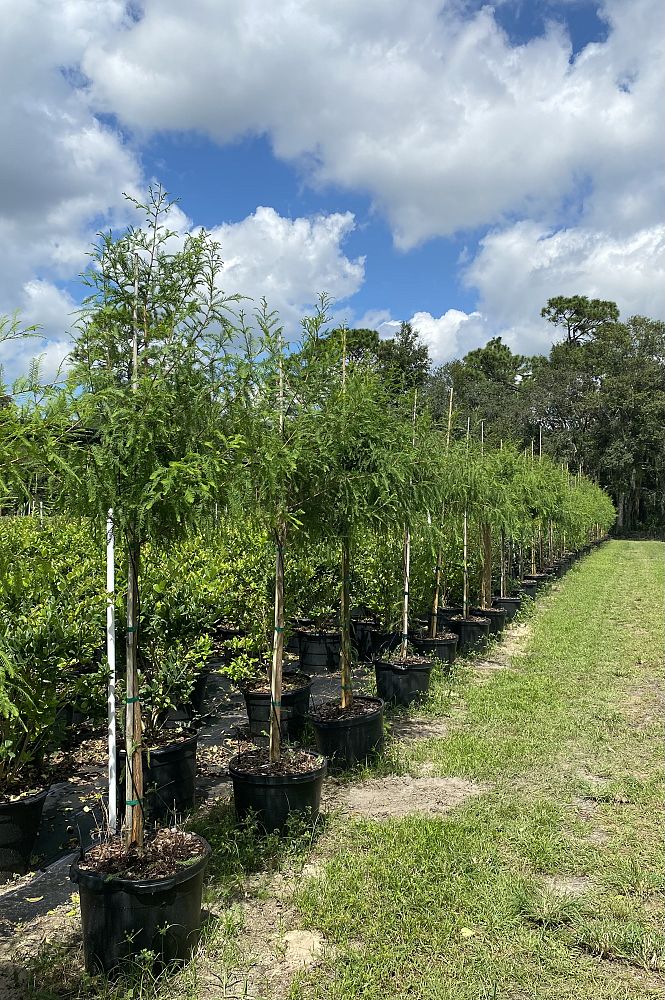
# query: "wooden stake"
{"points": [[274, 749], [345, 614]]}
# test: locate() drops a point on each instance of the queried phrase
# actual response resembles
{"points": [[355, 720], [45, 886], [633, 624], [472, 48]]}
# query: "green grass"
{"points": [[474, 905]]}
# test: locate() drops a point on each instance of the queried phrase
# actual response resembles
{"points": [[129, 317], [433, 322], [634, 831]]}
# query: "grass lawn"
{"points": [[548, 884], [551, 884]]}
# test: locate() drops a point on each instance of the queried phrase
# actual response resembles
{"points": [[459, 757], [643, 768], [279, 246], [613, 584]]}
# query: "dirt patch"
{"points": [[394, 797], [568, 885], [409, 730]]}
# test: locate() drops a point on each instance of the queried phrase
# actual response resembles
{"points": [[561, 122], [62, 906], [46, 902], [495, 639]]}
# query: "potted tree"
{"points": [[275, 400], [403, 677], [370, 479], [149, 344]]}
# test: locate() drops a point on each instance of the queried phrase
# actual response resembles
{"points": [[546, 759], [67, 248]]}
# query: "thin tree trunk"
{"points": [[277, 651], [345, 610], [133, 729], [465, 595], [486, 575], [403, 652], [533, 552], [502, 563], [110, 656], [434, 617]]}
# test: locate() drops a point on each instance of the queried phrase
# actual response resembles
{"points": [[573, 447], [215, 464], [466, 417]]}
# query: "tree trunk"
{"points": [[403, 652], [275, 739], [465, 570], [434, 617], [345, 609], [486, 575], [133, 730], [502, 579]]}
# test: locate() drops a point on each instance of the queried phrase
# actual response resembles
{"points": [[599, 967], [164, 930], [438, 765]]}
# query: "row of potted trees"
{"points": [[175, 407]]}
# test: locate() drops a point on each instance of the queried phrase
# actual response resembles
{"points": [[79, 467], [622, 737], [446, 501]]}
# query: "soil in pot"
{"points": [[132, 902], [271, 792], [349, 736], [511, 605], [296, 689], [169, 776], [319, 650], [472, 632], [20, 818], [496, 616], [443, 647], [403, 681]]}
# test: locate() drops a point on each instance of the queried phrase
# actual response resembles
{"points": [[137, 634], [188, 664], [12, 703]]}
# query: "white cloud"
{"points": [[519, 268], [444, 122], [62, 171], [289, 261]]}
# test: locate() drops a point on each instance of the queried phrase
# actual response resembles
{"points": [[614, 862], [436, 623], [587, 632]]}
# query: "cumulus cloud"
{"points": [[289, 261], [519, 268], [62, 171], [443, 121]]}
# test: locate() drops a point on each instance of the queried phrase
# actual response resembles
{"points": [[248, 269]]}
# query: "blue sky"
{"points": [[450, 163]]}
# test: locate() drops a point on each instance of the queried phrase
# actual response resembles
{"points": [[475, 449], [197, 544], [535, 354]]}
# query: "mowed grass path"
{"points": [[550, 884]]}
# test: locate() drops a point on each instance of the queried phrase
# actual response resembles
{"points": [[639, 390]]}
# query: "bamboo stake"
{"points": [[275, 747], [133, 729], [502, 581], [465, 592], [406, 559], [277, 664], [110, 656], [345, 614], [433, 625]]}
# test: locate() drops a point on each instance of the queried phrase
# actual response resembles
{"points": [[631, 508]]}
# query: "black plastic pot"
{"points": [[402, 685], [362, 637], [122, 917], [271, 798], [497, 618], [319, 651], [511, 606], [169, 779], [472, 636], [19, 826], [346, 742], [444, 615], [529, 588], [295, 706], [443, 649], [384, 643]]}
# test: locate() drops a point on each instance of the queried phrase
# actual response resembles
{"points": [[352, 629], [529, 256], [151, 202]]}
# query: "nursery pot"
{"points": [[295, 706], [529, 588], [169, 779], [402, 685], [362, 637], [511, 605], [443, 616], [384, 643], [444, 649], [497, 618], [271, 798], [123, 916], [349, 741], [472, 636], [292, 644], [19, 826], [319, 651]]}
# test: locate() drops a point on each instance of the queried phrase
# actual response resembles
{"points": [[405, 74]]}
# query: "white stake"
{"points": [[110, 655]]}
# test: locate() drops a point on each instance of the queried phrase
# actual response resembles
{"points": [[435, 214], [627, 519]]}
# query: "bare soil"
{"points": [[394, 797], [329, 711], [163, 856], [291, 762]]}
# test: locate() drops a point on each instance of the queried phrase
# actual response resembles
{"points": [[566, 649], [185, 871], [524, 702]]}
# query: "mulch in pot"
{"points": [[163, 855], [412, 660], [329, 711], [291, 681], [291, 762]]}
